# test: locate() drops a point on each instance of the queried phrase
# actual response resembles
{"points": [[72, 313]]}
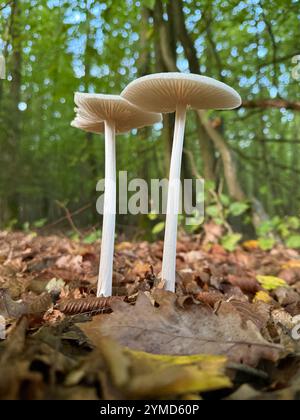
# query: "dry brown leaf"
{"points": [[9, 308], [169, 329], [210, 298], [213, 232], [246, 284], [71, 262]]}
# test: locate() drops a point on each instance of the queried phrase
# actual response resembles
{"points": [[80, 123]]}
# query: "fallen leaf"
{"points": [[262, 296], [286, 296], [123, 246], [244, 393], [9, 308], [271, 282], [291, 264], [169, 329], [246, 284], [258, 313], [71, 262], [140, 375], [210, 298], [213, 232], [55, 285], [250, 245]]}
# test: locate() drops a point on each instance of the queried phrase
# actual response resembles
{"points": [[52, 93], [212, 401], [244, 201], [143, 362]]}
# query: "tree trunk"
{"points": [[90, 137], [14, 116], [230, 173], [207, 151], [161, 67]]}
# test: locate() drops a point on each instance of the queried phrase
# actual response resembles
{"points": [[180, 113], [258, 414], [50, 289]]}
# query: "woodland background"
{"points": [[249, 157]]}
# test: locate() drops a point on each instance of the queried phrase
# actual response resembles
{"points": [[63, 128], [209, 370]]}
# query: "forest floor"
{"points": [[230, 332]]}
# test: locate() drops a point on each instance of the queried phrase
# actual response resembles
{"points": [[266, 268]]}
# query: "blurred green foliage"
{"points": [[56, 47]]}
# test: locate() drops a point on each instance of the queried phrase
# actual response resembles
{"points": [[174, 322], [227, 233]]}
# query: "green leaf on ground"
{"points": [[293, 242], [271, 282], [231, 241]]}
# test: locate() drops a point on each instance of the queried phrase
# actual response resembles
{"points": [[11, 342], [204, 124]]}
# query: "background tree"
{"points": [[57, 47]]}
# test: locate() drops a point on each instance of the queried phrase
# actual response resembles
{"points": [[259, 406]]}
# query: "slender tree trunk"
{"points": [[167, 43], [206, 146], [14, 116], [90, 137], [176, 7], [161, 67], [207, 151], [234, 187]]}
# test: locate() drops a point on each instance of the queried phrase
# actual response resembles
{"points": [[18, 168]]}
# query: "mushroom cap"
{"points": [[163, 92], [94, 109], [88, 125]]}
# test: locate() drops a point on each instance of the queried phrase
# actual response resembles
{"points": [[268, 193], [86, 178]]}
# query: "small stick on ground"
{"points": [[69, 217]]}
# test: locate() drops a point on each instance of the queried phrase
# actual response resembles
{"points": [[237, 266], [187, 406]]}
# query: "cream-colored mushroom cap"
{"points": [[163, 92], [88, 125], [94, 109]]}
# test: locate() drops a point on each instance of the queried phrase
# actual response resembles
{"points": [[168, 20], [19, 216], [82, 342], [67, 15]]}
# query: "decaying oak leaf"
{"points": [[139, 375], [170, 329], [258, 313]]}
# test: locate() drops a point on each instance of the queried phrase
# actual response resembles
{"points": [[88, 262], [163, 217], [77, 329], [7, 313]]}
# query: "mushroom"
{"points": [[176, 92], [112, 115]]}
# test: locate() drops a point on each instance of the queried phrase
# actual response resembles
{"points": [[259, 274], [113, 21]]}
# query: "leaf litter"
{"points": [[233, 317]]}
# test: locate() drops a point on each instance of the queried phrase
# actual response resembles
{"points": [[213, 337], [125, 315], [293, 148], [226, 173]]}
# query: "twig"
{"points": [[69, 217], [62, 219]]}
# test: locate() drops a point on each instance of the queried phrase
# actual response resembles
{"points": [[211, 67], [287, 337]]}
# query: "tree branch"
{"points": [[272, 103], [184, 36], [3, 6], [279, 60]]}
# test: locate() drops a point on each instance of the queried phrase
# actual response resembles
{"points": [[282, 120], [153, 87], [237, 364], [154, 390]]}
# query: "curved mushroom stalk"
{"points": [[169, 256], [109, 213]]}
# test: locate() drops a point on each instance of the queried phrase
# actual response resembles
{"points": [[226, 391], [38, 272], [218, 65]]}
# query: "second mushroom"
{"points": [[175, 92], [113, 115]]}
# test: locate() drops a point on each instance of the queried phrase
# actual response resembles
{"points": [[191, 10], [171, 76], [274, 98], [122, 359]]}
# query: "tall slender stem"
{"points": [[109, 214], [169, 256]]}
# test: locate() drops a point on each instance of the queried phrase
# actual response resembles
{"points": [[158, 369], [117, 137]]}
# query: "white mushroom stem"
{"points": [[169, 255], [109, 213]]}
